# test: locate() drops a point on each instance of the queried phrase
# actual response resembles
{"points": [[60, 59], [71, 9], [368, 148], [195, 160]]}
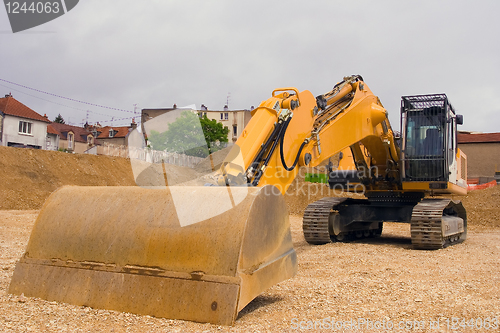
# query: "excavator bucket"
{"points": [[132, 249]]}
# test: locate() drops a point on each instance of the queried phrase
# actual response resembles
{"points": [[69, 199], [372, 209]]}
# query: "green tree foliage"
{"points": [[214, 133], [59, 119], [190, 135]]}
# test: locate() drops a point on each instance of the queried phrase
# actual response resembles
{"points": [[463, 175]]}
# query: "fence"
{"points": [[145, 154]]}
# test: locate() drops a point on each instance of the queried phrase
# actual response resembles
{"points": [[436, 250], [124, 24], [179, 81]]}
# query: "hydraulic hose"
{"points": [[280, 132], [282, 138]]}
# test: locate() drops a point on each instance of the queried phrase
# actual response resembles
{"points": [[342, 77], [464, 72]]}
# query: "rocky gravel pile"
{"points": [[370, 281]]}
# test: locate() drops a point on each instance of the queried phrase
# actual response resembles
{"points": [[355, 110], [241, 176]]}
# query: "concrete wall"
{"points": [[113, 141], [482, 158], [10, 132]]}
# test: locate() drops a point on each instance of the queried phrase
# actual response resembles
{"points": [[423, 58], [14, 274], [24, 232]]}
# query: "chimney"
{"points": [[133, 125]]}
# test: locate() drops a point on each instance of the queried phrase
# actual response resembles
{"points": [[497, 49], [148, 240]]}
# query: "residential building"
{"points": [[20, 126], [148, 114], [483, 153], [116, 135], [73, 138], [235, 120]]}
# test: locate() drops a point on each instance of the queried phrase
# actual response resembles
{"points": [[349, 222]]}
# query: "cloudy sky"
{"points": [[153, 54]]}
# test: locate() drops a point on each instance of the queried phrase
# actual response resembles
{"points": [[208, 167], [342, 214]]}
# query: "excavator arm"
{"points": [[293, 129]]}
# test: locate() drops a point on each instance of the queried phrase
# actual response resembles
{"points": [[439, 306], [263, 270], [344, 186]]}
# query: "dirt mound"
{"points": [[214, 159], [29, 176], [162, 174], [483, 207]]}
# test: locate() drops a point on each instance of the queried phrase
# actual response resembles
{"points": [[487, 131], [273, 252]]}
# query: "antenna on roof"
{"points": [[228, 98], [139, 116]]}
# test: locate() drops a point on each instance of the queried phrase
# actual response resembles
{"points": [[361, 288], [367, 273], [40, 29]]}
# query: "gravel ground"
{"points": [[379, 280], [376, 280]]}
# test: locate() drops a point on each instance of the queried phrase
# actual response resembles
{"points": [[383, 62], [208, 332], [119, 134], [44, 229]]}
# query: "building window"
{"points": [[24, 127], [111, 133], [71, 139], [90, 140], [226, 116], [221, 116], [235, 130]]}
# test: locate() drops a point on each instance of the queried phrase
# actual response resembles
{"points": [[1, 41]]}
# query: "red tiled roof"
{"points": [[52, 130], [9, 105], [80, 132], [122, 132], [478, 138]]}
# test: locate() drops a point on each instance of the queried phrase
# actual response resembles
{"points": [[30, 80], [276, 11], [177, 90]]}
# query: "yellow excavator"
{"points": [[202, 253]]}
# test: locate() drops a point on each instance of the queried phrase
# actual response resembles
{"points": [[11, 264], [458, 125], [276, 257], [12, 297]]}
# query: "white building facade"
{"points": [[20, 126]]}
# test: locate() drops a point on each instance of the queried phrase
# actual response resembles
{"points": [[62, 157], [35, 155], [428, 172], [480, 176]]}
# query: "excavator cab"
{"points": [[429, 124]]}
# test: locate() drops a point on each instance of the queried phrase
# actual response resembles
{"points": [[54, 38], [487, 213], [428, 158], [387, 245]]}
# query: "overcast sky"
{"points": [[157, 53]]}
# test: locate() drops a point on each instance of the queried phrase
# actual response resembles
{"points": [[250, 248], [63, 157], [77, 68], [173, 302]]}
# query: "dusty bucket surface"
{"points": [[128, 249]]}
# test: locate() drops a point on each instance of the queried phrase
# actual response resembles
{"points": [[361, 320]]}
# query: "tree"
{"points": [[190, 135], [157, 140], [59, 119], [214, 133]]}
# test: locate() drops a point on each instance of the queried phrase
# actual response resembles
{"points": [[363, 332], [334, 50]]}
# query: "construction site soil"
{"points": [[369, 285]]}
